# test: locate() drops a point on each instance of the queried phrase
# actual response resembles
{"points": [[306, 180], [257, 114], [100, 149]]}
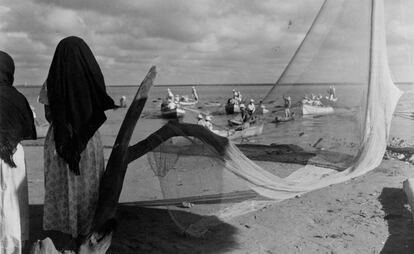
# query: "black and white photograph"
{"points": [[206, 126]]}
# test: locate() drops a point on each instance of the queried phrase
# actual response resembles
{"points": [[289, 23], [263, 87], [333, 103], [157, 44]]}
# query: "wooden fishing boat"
{"points": [[172, 113], [316, 110], [188, 102], [238, 122], [168, 111], [212, 104], [251, 131], [235, 122], [280, 119]]}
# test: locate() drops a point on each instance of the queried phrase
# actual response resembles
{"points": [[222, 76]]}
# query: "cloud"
{"points": [[191, 41]]}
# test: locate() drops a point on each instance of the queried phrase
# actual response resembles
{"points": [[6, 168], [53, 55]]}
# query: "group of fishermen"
{"points": [[246, 113], [206, 122], [174, 101], [316, 100], [331, 93], [237, 97]]}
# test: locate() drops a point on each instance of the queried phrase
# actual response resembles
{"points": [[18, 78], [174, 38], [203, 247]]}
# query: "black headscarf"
{"points": [[16, 117], [77, 98]]}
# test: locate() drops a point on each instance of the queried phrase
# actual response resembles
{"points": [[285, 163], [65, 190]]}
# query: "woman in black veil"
{"points": [[16, 124], [75, 99]]}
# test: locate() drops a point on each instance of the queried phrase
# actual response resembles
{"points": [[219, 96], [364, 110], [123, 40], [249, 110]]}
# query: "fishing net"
{"points": [[334, 55], [207, 177]]}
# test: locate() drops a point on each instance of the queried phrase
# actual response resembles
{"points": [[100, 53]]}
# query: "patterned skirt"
{"points": [[70, 199]]}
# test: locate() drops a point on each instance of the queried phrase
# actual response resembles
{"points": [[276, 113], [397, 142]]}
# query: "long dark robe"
{"points": [[16, 117], [77, 98]]}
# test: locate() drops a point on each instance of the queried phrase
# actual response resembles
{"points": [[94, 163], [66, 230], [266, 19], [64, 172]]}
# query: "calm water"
{"points": [[340, 131]]}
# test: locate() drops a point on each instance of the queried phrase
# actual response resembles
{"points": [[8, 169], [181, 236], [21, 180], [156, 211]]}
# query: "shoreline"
{"points": [[230, 84]]}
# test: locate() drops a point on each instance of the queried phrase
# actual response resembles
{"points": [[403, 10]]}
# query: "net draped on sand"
{"points": [[210, 177]]}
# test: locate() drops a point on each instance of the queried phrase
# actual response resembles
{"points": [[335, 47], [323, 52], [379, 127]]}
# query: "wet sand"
{"points": [[368, 214]]}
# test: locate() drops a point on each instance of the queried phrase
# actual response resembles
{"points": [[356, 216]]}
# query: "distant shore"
{"points": [[230, 84], [171, 85]]}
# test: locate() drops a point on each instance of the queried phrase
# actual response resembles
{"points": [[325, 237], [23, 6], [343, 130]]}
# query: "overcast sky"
{"points": [[190, 41]]}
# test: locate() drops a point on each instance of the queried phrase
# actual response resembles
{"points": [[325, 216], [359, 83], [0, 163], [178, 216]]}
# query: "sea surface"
{"points": [[344, 126], [338, 132]]}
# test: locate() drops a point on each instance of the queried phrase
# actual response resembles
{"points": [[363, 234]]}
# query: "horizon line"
{"points": [[236, 84]]}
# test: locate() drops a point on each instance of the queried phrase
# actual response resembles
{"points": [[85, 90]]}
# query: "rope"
{"points": [[297, 50]]}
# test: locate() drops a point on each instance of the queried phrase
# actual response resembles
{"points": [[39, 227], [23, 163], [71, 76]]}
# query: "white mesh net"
{"points": [[329, 139]]}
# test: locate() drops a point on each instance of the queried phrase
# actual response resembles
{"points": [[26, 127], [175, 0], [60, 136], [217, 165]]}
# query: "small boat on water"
{"points": [[188, 102], [173, 113], [212, 104], [308, 109], [168, 111], [280, 119], [251, 131], [238, 122]]}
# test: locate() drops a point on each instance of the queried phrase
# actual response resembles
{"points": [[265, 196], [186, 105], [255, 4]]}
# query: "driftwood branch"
{"points": [[175, 129], [113, 178]]}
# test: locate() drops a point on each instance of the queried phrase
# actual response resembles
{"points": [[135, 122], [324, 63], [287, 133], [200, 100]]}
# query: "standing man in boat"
{"points": [[306, 100], [169, 103], [288, 104], [177, 99], [245, 117], [195, 95], [170, 95], [235, 94], [251, 108], [239, 96], [262, 108], [333, 94]]}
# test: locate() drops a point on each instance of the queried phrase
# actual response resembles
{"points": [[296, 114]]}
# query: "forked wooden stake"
{"points": [[113, 178]]}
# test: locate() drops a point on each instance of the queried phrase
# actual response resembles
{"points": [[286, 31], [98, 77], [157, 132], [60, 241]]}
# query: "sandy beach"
{"points": [[368, 214]]}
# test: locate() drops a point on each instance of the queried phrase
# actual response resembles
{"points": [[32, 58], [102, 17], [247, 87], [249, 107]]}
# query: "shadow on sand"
{"points": [[147, 230], [400, 223]]}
